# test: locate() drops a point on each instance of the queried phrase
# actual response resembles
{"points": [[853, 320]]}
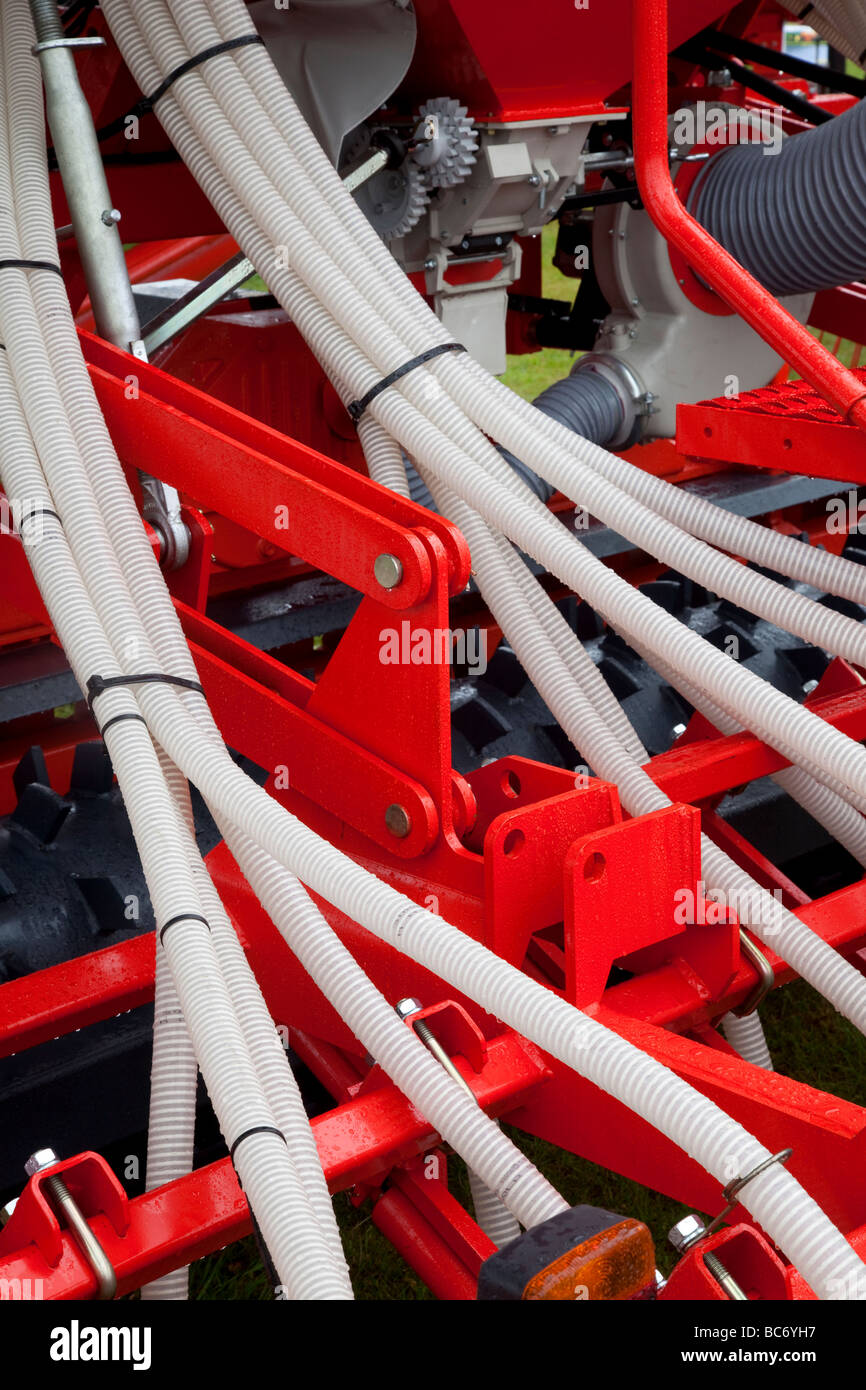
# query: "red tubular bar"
{"points": [[729, 279]]}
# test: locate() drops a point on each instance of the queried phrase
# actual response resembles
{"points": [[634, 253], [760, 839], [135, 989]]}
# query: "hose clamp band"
{"points": [[117, 718]]}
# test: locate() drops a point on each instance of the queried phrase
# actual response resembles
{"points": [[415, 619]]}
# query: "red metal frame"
{"points": [[544, 869], [461, 860]]}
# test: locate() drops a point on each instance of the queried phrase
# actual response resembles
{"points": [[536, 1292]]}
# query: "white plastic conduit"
{"points": [[506, 1172], [330, 280], [775, 1198], [505, 585], [262, 1160], [754, 896], [264, 99], [24, 348], [314, 265]]}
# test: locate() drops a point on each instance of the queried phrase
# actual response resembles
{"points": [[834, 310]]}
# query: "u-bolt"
{"points": [[65, 1205]]}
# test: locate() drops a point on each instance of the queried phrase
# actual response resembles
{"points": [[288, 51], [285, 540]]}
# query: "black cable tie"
{"points": [[116, 718], [356, 408], [11, 264], [256, 1129], [38, 511], [145, 105], [181, 916], [97, 685]]}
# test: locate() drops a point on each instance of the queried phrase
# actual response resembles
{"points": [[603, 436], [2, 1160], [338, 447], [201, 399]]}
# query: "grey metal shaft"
{"points": [[81, 168], [179, 314], [365, 171], [725, 1280], [94, 224], [93, 1252]]}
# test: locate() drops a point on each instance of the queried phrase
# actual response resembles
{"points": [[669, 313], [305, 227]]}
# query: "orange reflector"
{"points": [[616, 1264]]}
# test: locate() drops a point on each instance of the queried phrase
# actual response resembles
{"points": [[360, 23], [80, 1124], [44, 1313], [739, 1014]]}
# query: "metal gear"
{"points": [[392, 201], [446, 143]]}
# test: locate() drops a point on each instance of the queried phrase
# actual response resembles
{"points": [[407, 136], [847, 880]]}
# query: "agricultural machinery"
{"points": [[398, 771]]}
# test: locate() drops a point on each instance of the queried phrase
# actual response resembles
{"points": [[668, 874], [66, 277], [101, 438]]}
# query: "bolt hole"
{"points": [[513, 843], [594, 867], [786, 444], [708, 431], [511, 784]]}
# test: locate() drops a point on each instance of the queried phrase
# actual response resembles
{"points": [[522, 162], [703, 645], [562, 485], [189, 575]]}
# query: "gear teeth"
{"points": [[461, 143], [418, 198]]}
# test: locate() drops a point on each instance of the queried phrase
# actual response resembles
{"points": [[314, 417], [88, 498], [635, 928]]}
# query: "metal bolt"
{"points": [[111, 217], [430, 263], [685, 1233], [388, 570], [43, 1158], [404, 1008], [724, 1279], [6, 1212], [534, 179], [398, 821]]}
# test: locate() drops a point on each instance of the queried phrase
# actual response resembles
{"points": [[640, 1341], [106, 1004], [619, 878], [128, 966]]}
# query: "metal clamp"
{"points": [[85, 41], [766, 976]]}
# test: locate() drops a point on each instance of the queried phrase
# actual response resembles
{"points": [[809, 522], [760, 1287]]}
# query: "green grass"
{"points": [[529, 373]]}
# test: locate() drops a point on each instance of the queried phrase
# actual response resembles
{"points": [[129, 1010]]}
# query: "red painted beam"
{"points": [[360, 1141]]}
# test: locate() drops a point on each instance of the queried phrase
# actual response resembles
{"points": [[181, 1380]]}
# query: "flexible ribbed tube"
{"points": [[504, 589], [271, 1060], [342, 370], [219, 1045], [173, 1083], [841, 820], [690, 556], [746, 1035], [796, 219], [755, 542], [228, 938], [453, 954], [743, 584]]}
